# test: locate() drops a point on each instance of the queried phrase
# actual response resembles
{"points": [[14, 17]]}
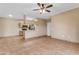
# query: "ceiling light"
{"points": [[44, 11], [10, 15], [43, 8], [41, 11]]}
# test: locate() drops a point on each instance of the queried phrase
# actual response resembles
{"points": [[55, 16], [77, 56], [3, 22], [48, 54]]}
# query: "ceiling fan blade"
{"points": [[49, 6], [39, 4], [35, 9], [43, 5], [48, 11]]}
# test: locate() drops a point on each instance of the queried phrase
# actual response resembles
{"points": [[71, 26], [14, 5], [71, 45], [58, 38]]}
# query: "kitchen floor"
{"points": [[37, 46]]}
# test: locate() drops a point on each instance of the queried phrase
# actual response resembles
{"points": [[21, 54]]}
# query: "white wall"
{"points": [[2, 28], [48, 28], [66, 26], [8, 27]]}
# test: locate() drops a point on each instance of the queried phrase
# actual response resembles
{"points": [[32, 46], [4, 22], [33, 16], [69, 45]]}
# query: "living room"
{"points": [[25, 29]]}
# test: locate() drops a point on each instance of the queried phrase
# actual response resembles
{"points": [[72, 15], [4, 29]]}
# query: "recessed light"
{"points": [[10, 15]]}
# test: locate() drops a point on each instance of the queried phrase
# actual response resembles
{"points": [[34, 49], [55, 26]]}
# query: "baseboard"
{"points": [[9, 36], [37, 37], [65, 40], [21, 36]]}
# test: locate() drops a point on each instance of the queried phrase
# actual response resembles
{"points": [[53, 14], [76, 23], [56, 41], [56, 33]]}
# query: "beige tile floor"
{"points": [[37, 46]]}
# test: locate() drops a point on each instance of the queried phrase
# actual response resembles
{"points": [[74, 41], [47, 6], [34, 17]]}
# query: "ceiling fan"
{"points": [[43, 7]]}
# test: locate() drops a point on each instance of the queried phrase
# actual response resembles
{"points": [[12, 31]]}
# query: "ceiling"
{"points": [[19, 9]]}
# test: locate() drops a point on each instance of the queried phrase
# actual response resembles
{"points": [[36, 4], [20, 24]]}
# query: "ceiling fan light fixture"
{"points": [[40, 11], [44, 11], [43, 8]]}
